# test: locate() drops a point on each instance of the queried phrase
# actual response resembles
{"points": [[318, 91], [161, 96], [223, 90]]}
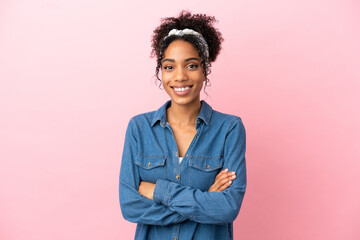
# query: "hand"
{"points": [[147, 189], [222, 181]]}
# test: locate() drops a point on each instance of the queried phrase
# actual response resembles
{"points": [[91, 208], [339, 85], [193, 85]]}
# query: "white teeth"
{"points": [[181, 89]]}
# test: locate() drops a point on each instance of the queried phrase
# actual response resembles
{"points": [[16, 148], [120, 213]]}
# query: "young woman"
{"points": [[183, 173]]}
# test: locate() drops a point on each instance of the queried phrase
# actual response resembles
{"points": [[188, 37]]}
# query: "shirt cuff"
{"points": [[162, 191]]}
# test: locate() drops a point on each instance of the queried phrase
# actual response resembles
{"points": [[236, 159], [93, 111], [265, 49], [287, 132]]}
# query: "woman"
{"points": [[183, 172]]}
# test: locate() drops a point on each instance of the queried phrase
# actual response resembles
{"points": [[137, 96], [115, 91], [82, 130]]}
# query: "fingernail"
{"points": [[226, 169], [230, 182], [232, 172], [234, 176]]}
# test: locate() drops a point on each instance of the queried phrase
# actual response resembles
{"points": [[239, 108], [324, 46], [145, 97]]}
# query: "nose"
{"points": [[181, 75]]}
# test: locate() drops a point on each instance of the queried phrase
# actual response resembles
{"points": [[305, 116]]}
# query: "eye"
{"points": [[168, 67], [193, 66]]}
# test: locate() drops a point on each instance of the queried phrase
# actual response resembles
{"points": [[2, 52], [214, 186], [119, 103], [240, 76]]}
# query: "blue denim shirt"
{"points": [[182, 208]]}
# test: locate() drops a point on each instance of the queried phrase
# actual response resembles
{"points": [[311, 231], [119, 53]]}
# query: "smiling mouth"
{"points": [[181, 89]]}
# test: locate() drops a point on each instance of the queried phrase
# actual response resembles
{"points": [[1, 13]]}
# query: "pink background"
{"points": [[74, 72]]}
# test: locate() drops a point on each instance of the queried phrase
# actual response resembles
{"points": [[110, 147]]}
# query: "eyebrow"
{"points": [[188, 59]]}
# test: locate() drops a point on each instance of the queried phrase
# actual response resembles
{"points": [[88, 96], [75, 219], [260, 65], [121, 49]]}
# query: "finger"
{"points": [[223, 180], [225, 183], [221, 173], [227, 179], [224, 176], [215, 186], [222, 187], [225, 186]]}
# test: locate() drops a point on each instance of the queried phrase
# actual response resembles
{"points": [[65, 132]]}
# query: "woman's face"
{"points": [[182, 75]]}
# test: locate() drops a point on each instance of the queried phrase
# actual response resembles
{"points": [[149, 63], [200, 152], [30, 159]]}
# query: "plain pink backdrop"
{"points": [[74, 72]]}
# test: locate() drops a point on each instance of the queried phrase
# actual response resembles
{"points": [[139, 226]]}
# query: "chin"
{"points": [[184, 101]]}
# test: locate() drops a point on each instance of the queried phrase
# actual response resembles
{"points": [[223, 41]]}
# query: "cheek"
{"points": [[165, 82], [165, 77], [201, 85]]}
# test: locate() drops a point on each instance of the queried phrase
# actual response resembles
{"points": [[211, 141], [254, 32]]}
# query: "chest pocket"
{"points": [[151, 168], [203, 171]]}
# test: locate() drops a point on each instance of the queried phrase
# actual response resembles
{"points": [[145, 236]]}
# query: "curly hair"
{"points": [[200, 23]]}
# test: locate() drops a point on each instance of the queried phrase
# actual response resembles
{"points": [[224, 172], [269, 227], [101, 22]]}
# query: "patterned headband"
{"points": [[187, 31]]}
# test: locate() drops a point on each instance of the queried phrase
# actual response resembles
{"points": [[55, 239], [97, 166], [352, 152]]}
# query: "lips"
{"points": [[181, 90]]}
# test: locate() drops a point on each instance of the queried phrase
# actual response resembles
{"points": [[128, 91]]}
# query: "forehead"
{"points": [[180, 49]]}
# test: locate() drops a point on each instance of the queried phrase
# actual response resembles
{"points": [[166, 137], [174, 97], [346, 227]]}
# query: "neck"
{"points": [[183, 114]]}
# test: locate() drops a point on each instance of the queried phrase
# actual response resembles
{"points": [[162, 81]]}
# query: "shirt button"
{"points": [[207, 166], [196, 136], [149, 163], [176, 154], [175, 238], [187, 155], [177, 176]]}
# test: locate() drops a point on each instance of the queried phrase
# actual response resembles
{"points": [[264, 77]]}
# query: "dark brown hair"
{"points": [[200, 23]]}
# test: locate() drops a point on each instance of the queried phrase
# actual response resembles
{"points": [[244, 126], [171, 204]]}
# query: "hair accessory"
{"points": [[191, 32]]}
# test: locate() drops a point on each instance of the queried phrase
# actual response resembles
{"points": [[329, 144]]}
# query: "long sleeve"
{"points": [[135, 207], [214, 207]]}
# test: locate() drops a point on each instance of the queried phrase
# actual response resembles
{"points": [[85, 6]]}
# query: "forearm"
{"points": [[203, 207], [139, 209]]}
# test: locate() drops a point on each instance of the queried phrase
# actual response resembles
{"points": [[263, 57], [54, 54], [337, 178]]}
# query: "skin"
{"points": [[181, 67]]}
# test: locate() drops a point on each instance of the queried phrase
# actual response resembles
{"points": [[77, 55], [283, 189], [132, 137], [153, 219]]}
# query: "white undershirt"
{"points": [[180, 159]]}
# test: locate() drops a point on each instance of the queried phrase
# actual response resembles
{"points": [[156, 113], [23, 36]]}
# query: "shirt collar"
{"points": [[205, 112], [160, 114]]}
